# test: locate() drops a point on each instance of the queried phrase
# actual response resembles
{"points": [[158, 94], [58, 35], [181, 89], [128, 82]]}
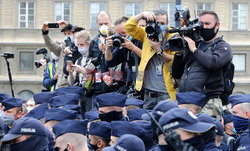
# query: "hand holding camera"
{"points": [[155, 45], [127, 44], [150, 16], [191, 44], [55, 76]]}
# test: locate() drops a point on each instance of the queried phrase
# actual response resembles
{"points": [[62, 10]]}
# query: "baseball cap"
{"points": [[25, 126]]}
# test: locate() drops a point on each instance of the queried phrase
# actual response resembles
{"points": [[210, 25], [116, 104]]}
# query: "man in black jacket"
{"points": [[201, 68]]}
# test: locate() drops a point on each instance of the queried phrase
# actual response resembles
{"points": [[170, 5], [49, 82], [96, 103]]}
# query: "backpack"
{"points": [[227, 77]]}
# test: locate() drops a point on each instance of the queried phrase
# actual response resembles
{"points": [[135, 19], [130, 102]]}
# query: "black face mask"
{"points": [[196, 142], [111, 116], [32, 143], [208, 34], [58, 148], [93, 147]]}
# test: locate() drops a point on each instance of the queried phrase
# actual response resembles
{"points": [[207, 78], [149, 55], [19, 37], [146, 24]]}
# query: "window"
{"points": [[95, 8], [62, 11], [239, 61], [170, 7], [239, 16], [26, 15], [26, 60], [132, 9], [203, 6]]}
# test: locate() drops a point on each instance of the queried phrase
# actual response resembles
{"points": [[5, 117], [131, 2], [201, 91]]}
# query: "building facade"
{"points": [[21, 22]]}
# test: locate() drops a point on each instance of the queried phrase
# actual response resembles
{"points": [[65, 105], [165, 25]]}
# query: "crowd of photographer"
{"points": [[137, 85]]}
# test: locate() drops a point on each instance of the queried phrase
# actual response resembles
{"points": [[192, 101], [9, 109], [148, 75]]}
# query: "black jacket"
{"points": [[94, 47], [202, 71]]}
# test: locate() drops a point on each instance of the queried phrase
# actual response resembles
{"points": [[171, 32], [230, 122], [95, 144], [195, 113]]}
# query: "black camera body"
{"points": [[7, 55], [153, 30], [192, 31], [44, 52], [68, 42], [117, 40]]}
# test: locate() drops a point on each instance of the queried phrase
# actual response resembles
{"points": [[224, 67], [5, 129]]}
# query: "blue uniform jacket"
{"points": [[48, 82]]}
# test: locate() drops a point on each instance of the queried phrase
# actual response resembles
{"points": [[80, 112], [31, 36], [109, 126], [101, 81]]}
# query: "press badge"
{"points": [[133, 69], [159, 70], [98, 77]]}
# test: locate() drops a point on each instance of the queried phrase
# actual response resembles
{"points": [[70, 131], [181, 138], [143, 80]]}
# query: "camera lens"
{"points": [[117, 42], [150, 28]]}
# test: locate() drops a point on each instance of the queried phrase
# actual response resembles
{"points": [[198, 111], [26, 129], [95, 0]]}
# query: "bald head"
{"points": [[72, 141], [242, 110], [103, 18]]}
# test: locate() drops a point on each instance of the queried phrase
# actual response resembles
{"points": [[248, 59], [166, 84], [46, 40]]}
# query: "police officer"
{"points": [[71, 135], [13, 107], [27, 134], [127, 142], [2, 97], [99, 135], [186, 124], [110, 106], [192, 101], [241, 119]]}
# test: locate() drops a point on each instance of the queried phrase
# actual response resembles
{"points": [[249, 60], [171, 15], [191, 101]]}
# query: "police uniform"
{"points": [[127, 142], [241, 124]]}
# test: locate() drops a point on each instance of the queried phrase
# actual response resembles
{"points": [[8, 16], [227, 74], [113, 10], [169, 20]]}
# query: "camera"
{"points": [[117, 40], [7, 55], [192, 31], [153, 30], [68, 42], [44, 52], [38, 64]]}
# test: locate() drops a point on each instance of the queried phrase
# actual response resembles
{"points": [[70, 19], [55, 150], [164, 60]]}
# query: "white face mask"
{"points": [[53, 56], [7, 119], [103, 30], [71, 38], [82, 50]]}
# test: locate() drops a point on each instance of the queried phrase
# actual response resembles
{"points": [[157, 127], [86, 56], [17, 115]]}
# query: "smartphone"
{"points": [[53, 25]]}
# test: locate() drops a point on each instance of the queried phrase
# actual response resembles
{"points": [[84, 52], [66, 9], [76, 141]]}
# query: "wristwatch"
{"points": [[160, 53]]}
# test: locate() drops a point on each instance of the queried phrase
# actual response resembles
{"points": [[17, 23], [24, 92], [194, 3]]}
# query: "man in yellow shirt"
{"points": [[156, 59]]}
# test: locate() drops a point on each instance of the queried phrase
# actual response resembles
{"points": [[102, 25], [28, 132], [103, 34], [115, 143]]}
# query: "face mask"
{"points": [[129, 37], [208, 34], [53, 56], [7, 119], [70, 37], [163, 28], [29, 109], [93, 147], [82, 50], [31, 144], [111, 116], [89, 145], [240, 123], [75, 42], [234, 130], [103, 30], [196, 142]]}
